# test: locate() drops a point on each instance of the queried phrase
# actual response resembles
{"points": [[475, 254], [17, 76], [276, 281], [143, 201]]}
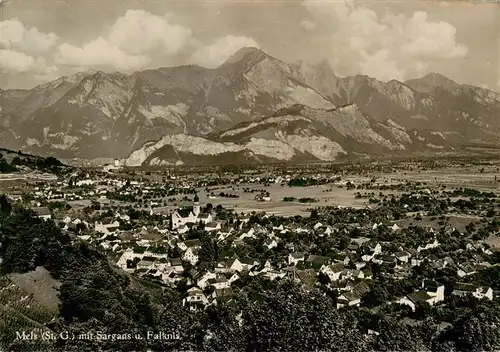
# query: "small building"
{"points": [[295, 258], [464, 289], [42, 213], [412, 299], [348, 299]]}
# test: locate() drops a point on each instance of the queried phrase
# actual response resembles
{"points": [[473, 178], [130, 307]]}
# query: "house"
{"points": [[412, 299], [233, 278], [434, 290], [270, 243], [230, 265], [361, 288], [42, 213], [196, 243], [317, 261], [213, 226], [466, 270], [359, 265], [402, 257], [430, 245], [223, 293], [415, 261], [465, 289], [356, 274], [367, 273], [176, 264], [219, 282], [307, 278], [348, 299], [334, 271], [191, 255], [203, 281], [373, 251], [272, 274], [106, 227], [195, 299], [249, 263], [295, 258], [145, 264], [171, 276], [377, 249]]}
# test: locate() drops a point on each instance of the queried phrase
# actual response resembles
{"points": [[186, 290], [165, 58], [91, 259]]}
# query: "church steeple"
{"points": [[196, 206]]}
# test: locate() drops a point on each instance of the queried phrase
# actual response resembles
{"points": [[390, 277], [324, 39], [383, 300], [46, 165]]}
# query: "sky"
{"points": [[41, 40]]}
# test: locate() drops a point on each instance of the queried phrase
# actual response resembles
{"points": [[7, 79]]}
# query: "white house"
{"points": [[464, 289], [195, 297], [465, 270], [430, 245], [334, 271], [403, 257], [348, 299], [191, 255], [431, 293], [433, 289], [270, 243], [219, 283], [203, 282], [233, 278], [213, 226], [412, 299], [295, 258], [106, 228], [273, 274]]}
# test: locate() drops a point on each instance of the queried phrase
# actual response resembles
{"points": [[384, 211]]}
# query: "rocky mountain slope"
{"points": [[154, 115], [296, 134]]}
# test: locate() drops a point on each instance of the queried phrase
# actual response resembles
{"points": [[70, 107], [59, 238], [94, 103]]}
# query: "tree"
{"points": [[5, 206], [314, 214]]}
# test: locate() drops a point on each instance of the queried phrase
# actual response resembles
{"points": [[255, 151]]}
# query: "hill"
{"points": [[11, 161]]}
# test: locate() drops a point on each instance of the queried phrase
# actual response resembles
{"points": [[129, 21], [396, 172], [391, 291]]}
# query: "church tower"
{"points": [[196, 206]]}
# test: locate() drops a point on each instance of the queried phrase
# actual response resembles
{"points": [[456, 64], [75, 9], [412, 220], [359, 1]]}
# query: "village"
{"points": [[183, 232]]}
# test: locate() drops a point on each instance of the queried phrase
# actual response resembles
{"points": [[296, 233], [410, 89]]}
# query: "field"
{"points": [[472, 177]]}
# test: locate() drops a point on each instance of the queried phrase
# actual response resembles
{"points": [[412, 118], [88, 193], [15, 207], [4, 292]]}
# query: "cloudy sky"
{"points": [[41, 40]]}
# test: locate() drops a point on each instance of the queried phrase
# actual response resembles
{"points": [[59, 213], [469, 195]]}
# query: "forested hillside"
{"points": [[11, 161]]}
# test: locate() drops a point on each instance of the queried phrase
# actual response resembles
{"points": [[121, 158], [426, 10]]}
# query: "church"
{"points": [[180, 218]]}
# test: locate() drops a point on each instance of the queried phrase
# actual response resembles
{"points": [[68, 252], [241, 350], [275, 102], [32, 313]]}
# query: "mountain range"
{"points": [[252, 108]]}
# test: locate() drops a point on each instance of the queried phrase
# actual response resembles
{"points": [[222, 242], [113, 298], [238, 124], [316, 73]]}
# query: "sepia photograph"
{"points": [[250, 175]]}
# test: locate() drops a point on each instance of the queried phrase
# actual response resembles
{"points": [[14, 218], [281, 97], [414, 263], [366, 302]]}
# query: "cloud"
{"points": [[99, 53], [21, 47], [389, 46], [308, 25], [218, 52], [15, 62], [139, 32], [130, 44], [134, 41], [15, 36]]}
